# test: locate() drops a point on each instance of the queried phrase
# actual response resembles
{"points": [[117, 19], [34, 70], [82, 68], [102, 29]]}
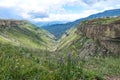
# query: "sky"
{"points": [[54, 10]]}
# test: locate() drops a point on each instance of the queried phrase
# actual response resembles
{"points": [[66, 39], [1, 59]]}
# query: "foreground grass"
{"points": [[104, 66], [19, 63]]}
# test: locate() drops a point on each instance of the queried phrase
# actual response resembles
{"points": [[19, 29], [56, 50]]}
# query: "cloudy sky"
{"points": [[54, 10]]}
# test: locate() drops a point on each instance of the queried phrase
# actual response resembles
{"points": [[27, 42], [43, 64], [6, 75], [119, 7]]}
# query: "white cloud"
{"points": [[55, 8], [59, 17], [66, 17]]}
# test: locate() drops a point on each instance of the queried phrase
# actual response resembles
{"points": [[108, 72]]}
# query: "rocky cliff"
{"points": [[105, 30], [8, 23]]}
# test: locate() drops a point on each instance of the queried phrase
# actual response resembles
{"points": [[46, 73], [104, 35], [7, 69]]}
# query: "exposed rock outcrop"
{"points": [[105, 30], [10, 23]]}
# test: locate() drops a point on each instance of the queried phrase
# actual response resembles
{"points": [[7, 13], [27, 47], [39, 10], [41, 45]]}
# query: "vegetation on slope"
{"points": [[90, 50], [67, 39], [101, 21], [27, 35], [58, 29], [105, 30], [18, 63]]}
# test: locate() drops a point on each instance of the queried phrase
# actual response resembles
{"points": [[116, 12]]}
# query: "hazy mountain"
{"points": [[48, 23], [107, 13]]}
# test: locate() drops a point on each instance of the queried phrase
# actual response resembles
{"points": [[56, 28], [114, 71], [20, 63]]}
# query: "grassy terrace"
{"points": [[101, 21]]}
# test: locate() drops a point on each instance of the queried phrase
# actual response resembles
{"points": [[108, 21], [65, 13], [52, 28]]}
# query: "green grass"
{"points": [[101, 21], [67, 39], [18, 63], [108, 66], [27, 35]]}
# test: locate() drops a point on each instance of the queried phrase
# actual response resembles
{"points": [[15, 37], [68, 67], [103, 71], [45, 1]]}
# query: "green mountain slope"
{"points": [[67, 39], [23, 33], [96, 43], [84, 38]]}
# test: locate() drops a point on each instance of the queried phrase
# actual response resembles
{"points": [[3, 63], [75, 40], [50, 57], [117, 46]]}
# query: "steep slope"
{"points": [[94, 36], [96, 43], [59, 29], [67, 39], [23, 33], [105, 31]]}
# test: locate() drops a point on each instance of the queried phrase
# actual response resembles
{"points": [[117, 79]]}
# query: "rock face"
{"points": [[105, 30], [10, 23]]}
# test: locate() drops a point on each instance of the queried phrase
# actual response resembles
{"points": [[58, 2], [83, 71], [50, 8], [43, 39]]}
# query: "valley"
{"points": [[87, 51], [59, 39]]}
